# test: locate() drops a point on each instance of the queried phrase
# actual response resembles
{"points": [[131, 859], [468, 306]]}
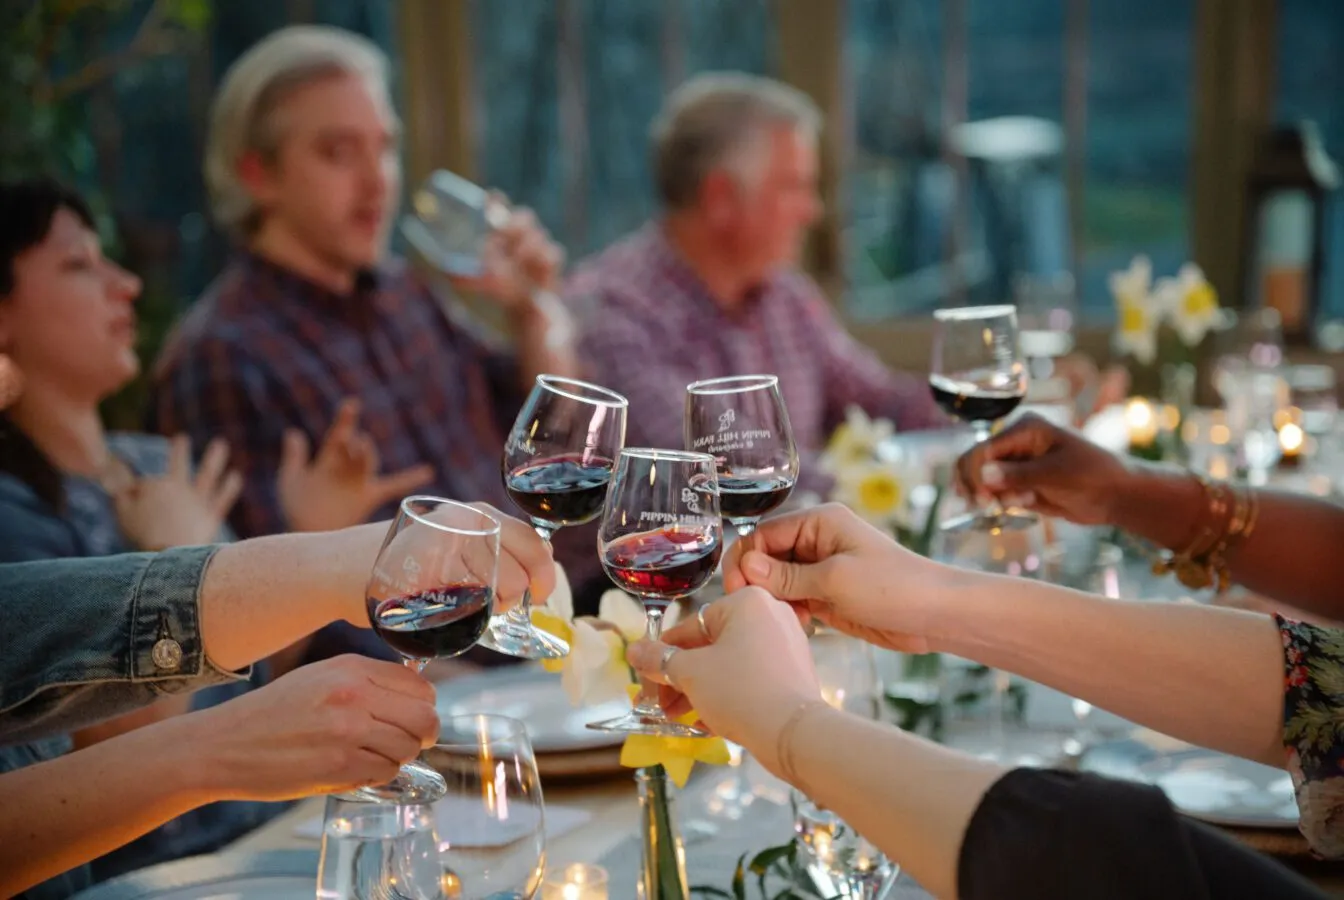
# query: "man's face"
{"points": [[335, 178], [775, 207]]}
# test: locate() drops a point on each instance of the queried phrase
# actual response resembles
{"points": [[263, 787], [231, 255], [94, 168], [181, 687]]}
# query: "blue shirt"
{"points": [[31, 529]]}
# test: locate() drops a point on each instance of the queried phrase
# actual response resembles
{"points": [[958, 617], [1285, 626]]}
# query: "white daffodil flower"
{"points": [[855, 441], [1189, 302], [878, 492], [1137, 313]]}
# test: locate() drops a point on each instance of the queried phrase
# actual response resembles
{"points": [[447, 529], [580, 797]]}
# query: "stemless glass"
{"points": [[557, 462], [661, 539], [430, 597], [368, 846], [741, 422], [978, 376], [491, 820], [451, 221]]}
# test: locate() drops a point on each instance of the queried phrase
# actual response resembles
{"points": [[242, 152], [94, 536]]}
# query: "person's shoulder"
{"points": [[623, 276]]}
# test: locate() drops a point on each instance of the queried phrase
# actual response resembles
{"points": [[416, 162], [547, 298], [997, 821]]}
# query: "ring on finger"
{"points": [[704, 626], [668, 653]]}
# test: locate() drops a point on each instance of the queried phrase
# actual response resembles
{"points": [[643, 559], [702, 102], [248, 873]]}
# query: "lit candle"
{"points": [[1291, 440], [577, 881], [1143, 423]]}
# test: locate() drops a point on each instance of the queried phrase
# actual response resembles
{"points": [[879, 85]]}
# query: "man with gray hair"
{"points": [[312, 324], [712, 288]]}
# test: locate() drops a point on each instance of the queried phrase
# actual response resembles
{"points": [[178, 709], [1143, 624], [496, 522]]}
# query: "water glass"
{"points": [[378, 851], [836, 860], [491, 820]]}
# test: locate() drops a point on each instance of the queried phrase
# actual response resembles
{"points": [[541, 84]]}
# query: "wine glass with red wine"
{"points": [[557, 463], [741, 422], [979, 377], [661, 539], [430, 596]]}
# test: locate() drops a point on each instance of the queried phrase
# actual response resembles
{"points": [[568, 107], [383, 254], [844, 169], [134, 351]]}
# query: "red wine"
{"points": [[971, 402], [750, 497], [563, 490], [442, 622], [664, 564]]}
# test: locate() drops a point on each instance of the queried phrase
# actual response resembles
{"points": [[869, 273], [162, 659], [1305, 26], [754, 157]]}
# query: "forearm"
{"points": [[261, 595], [1210, 676], [60, 814], [544, 336], [911, 798], [1166, 506]]}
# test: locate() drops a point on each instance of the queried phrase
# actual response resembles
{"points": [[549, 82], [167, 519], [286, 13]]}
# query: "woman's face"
{"points": [[69, 322]]}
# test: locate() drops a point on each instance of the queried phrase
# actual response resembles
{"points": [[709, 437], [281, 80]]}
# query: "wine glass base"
{"points": [[635, 723], [416, 783], [980, 520], [523, 640]]}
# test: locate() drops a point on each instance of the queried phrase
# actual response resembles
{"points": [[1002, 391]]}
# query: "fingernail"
{"points": [[755, 567], [991, 474]]}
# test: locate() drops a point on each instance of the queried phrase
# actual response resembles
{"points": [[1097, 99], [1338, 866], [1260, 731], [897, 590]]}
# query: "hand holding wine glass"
{"points": [[741, 421], [661, 540], [557, 463], [979, 377], [430, 597]]}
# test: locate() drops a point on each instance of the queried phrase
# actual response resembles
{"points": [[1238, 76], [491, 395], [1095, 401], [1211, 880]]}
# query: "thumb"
{"points": [[1018, 478], [785, 580]]}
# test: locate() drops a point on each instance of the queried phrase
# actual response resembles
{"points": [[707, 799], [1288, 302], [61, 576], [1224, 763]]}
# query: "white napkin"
{"points": [[460, 822]]}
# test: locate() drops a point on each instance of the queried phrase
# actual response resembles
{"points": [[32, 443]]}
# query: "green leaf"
{"points": [[740, 878], [193, 15]]}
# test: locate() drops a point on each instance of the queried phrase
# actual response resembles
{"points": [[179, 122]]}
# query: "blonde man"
{"points": [[712, 288]]}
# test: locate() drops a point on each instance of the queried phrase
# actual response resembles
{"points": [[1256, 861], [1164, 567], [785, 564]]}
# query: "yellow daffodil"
{"points": [[1189, 302], [1137, 313], [854, 442], [677, 755], [878, 492]]}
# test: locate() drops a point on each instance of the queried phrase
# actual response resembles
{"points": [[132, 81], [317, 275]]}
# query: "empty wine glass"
{"points": [[1096, 570], [557, 462], [451, 220], [661, 539], [430, 597], [741, 422], [491, 820]]}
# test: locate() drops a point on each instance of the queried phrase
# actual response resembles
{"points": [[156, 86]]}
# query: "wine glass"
{"points": [[741, 421], [557, 462], [1096, 572], [978, 377], [491, 820], [430, 597], [452, 220], [661, 539]]}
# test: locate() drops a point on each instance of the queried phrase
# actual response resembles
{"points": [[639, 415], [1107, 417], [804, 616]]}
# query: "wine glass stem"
{"points": [[983, 430], [415, 664], [648, 696]]}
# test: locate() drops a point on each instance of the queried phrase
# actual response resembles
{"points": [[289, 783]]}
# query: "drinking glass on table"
{"points": [[1096, 570], [368, 846], [741, 422], [661, 539], [430, 597], [557, 463], [490, 822], [978, 376]]}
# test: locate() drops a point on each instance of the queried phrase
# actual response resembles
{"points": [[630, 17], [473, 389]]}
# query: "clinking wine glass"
{"points": [[557, 463], [741, 421], [661, 539], [430, 596], [979, 377]]}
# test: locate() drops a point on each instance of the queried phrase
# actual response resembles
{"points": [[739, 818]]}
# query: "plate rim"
{"points": [[205, 870]]}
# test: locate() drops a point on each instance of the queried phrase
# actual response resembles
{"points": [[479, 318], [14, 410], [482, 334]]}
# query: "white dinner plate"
{"points": [[273, 875], [1204, 784], [532, 694]]}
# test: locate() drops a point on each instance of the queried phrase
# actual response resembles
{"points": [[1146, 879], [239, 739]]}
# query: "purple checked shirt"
{"points": [[651, 327]]}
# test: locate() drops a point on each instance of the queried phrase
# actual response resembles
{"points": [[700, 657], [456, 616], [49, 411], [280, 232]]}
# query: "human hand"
{"points": [[833, 567], [341, 485], [519, 259], [177, 509], [330, 726], [745, 680], [1035, 465]]}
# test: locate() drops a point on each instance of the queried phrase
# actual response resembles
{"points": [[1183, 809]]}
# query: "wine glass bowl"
{"points": [[979, 377], [742, 422], [661, 540], [430, 596], [450, 221], [556, 465]]}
